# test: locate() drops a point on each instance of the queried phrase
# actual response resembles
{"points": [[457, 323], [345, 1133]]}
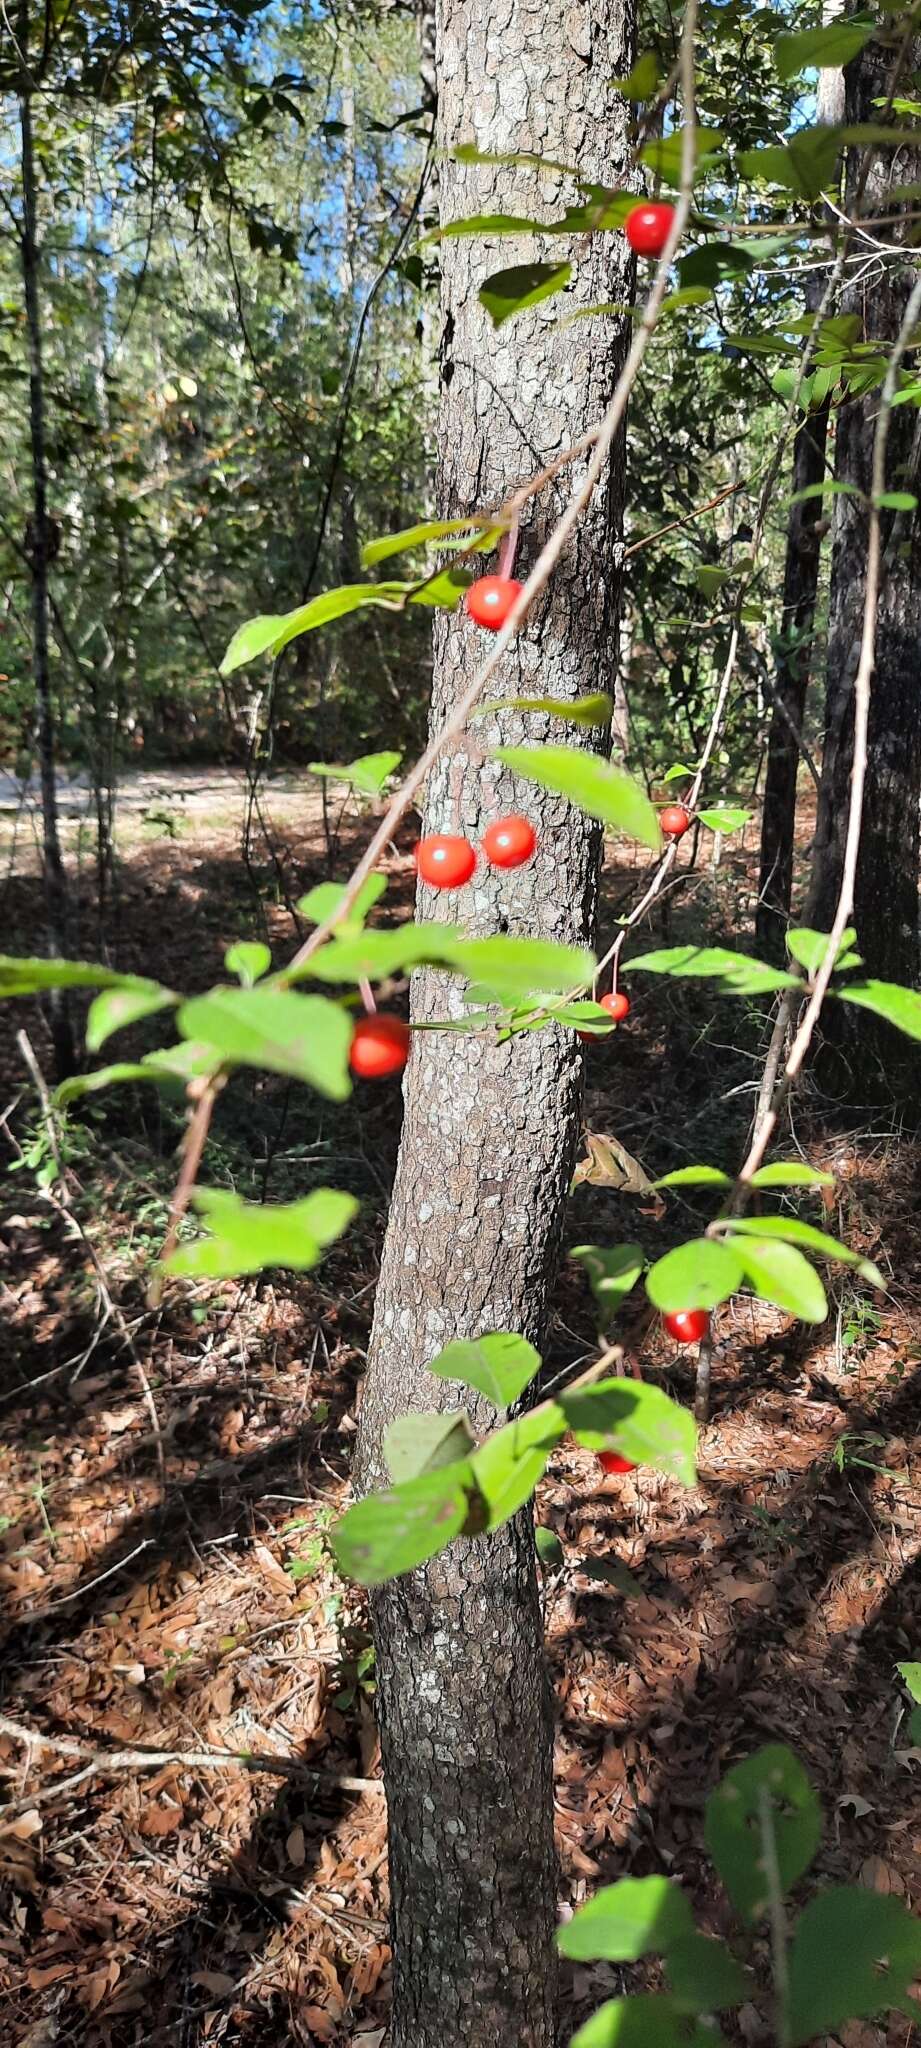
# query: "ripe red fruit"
{"points": [[445, 860], [674, 821], [611, 1461], [380, 1045], [687, 1325], [490, 599], [509, 842], [648, 227], [617, 1005]]}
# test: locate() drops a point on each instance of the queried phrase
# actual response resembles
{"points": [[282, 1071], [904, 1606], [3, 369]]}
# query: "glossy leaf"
{"points": [[595, 785], [646, 2021], [550, 1553], [695, 1177], [898, 1006], [368, 774], [499, 1365], [639, 1916], [822, 48], [247, 1237], [33, 977], [779, 1273], [771, 1786], [705, 1975], [508, 1465], [739, 974], [271, 633], [480, 530], [793, 1231], [809, 947], [414, 1444], [697, 1275], [593, 709], [304, 1036], [724, 820], [117, 1007], [854, 1954], [250, 959], [784, 1173], [640, 1421], [612, 1272], [509, 292], [394, 1530]]}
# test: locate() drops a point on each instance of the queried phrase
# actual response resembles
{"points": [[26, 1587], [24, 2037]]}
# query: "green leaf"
{"points": [[898, 1006], [510, 967], [678, 771], [640, 1421], [610, 1571], [519, 967], [710, 579], [897, 501], [830, 487], [116, 1007], [250, 959], [550, 1553], [253, 639], [593, 709], [509, 292], [792, 1231], [427, 530], [613, 1272], [246, 1237], [642, 80], [724, 820], [508, 1465], [854, 1954], [646, 2021], [778, 1272], [695, 1275], [664, 155], [639, 1916], [809, 947], [695, 1177], [704, 1974], [711, 262], [107, 1077], [829, 48], [368, 774], [804, 165], [32, 977], [273, 632], [910, 1675], [739, 974], [771, 1783], [306, 1036], [596, 786], [791, 1174], [414, 1444], [499, 1365], [393, 1531], [323, 901]]}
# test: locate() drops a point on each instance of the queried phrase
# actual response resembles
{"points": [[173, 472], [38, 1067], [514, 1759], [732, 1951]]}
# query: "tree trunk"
{"points": [[795, 650], [886, 900], [490, 1130], [40, 542]]}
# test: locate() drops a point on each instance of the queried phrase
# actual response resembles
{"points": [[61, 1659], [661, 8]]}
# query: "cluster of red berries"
{"points": [[446, 861]]}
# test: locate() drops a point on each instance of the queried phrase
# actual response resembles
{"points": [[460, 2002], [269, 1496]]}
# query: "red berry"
{"points": [[611, 1461], [509, 842], [674, 821], [648, 228], [445, 860], [617, 1005], [380, 1045], [490, 599], [687, 1325]]}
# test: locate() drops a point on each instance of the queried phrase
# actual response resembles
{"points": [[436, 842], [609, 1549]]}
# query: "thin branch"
{"points": [[112, 1762]]}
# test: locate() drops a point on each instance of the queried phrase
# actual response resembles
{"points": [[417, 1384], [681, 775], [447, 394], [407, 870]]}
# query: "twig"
{"points": [[192, 1150], [99, 1762], [776, 1915]]}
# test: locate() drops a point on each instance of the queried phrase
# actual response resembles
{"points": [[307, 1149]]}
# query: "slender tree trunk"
{"points": [[55, 880], [866, 1057], [805, 528], [490, 1131]]}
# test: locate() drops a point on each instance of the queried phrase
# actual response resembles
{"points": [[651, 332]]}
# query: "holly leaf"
{"points": [[613, 1272], [646, 2021], [779, 1273]]}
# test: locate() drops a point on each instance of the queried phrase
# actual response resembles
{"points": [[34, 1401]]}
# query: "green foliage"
{"points": [[248, 1237], [640, 1916], [273, 632], [767, 1800], [306, 1037], [117, 1007], [854, 1954], [592, 709], [499, 1365], [832, 46], [249, 960], [509, 292], [779, 1273], [612, 1274], [369, 774], [898, 1006], [696, 1275], [415, 1444], [594, 785], [736, 973]]}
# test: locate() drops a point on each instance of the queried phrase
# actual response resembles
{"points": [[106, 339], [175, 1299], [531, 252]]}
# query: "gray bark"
{"points": [[490, 1131], [866, 1057], [41, 534]]}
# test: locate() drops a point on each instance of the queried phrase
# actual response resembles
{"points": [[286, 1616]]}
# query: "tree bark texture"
{"points": [[490, 1130], [55, 881], [886, 905]]}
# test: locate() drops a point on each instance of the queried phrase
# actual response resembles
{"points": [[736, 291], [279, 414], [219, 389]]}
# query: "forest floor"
{"points": [[170, 1476]]}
